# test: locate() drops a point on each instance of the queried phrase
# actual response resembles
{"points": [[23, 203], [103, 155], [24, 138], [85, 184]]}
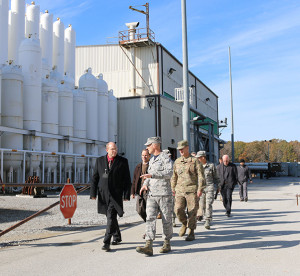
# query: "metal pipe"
{"points": [[232, 126], [43, 172], [36, 214], [24, 166], [186, 103], [75, 170], [2, 164], [88, 167], [60, 169]]}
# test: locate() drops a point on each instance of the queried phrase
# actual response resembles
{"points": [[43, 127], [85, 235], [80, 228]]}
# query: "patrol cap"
{"points": [[201, 153], [182, 144], [153, 140]]}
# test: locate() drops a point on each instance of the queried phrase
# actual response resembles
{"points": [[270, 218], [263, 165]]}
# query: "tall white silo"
{"points": [[16, 29], [69, 48], [50, 125], [12, 116], [31, 62], [4, 6], [102, 113], [65, 123], [32, 20], [46, 38], [79, 119], [88, 83], [58, 46], [112, 117]]}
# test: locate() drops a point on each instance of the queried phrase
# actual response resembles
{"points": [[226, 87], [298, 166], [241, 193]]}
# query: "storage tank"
{"points": [[4, 6], [102, 113], [70, 45], [16, 29], [65, 122], [79, 119], [12, 114], [88, 83], [58, 46], [46, 38], [30, 60], [32, 21], [50, 125], [112, 117]]}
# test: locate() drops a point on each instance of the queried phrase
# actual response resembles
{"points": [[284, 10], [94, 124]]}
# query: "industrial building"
{"points": [[147, 80], [49, 128], [60, 104]]}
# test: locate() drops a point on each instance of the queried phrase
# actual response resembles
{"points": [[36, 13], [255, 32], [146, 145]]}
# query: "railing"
{"points": [[141, 34]]}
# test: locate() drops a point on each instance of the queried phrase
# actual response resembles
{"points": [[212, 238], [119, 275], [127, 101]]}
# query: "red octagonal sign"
{"points": [[68, 201]]}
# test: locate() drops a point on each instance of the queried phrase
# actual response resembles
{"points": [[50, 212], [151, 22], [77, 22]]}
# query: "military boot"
{"points": [[166, 247], [207, 224], [182, 230], [191, 235], [147, 249]]}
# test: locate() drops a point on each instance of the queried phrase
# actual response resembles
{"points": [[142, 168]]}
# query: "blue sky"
{"points": [[264, 37]]}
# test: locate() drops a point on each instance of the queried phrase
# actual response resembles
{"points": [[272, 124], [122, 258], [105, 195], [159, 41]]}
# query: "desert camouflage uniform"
{"points": [[159, 196], [207, 198], [187, 179]]}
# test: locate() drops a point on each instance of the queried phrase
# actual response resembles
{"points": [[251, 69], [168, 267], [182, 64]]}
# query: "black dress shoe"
{"points": [[228, 214], [106, 247], [116, 242]]}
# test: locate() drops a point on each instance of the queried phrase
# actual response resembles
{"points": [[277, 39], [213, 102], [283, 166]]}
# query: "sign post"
{"points": [[68, 201]]}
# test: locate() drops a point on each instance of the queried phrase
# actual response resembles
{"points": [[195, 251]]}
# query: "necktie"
{"points": [[109, 164]]}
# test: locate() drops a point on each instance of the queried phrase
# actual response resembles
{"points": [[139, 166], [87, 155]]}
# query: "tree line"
{"points": [[274, 150]]}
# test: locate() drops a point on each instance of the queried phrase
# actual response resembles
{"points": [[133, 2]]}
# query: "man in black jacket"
{"points": [[111, 182], [243, 176], [140, 169], [228, 179]]}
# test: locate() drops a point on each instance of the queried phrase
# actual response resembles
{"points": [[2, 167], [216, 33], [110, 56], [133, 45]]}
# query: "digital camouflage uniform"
{"points": [[207, 198], [187, 179], [159, 196]]}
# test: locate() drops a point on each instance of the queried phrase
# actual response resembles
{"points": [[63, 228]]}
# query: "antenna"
{"points": [[143, 12]]}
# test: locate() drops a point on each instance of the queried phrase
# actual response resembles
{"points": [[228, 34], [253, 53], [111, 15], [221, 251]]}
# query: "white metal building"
{"points": [[145, 76]]}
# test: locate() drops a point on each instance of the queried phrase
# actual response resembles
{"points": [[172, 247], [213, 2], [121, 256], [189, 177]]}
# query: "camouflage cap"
{"points": [[154, 140], [182, 144], [166, 151], [201, 153]]}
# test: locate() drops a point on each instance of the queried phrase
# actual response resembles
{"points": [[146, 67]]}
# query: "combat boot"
{"points": [[207, 224], [166, 247], [182, 230], [191, 235], [147, 249]]}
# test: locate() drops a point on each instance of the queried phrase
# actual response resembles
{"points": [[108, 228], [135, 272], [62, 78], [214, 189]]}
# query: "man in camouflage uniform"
{"points": [[157, 183], [207, 198], [187, 183]]}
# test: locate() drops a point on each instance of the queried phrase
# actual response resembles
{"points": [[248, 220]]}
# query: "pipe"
{"points": [[36, 214]]}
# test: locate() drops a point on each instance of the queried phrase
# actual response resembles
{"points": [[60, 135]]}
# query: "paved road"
{"points": [[261, 238]]}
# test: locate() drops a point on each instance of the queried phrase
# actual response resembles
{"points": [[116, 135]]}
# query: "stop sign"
{"points": [[68, 201]]}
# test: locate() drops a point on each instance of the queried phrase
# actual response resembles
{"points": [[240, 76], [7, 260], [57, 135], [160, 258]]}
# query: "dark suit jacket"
{"points": [[229, 179], [111, 185]]}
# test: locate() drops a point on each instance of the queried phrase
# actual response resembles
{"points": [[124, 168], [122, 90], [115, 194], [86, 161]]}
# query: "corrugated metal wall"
{"points": [[136, 122], [115, 65]]}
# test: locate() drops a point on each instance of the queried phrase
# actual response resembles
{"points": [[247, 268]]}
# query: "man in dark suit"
{"points": [[111, 182], [228, 179], [140, 169]]}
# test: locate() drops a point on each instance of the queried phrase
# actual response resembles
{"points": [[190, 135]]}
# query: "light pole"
{"points": [[186, 103], [232, 127]]}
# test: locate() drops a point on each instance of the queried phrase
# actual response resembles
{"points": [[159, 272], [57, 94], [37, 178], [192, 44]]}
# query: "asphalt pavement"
{"points": [[261, 238]]}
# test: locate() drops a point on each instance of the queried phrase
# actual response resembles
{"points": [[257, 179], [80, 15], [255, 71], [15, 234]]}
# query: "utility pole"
{"points": [[232, 127], [186, 103]]}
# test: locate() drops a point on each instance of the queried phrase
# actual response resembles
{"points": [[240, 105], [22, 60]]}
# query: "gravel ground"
{"points": [[14, 209]]}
